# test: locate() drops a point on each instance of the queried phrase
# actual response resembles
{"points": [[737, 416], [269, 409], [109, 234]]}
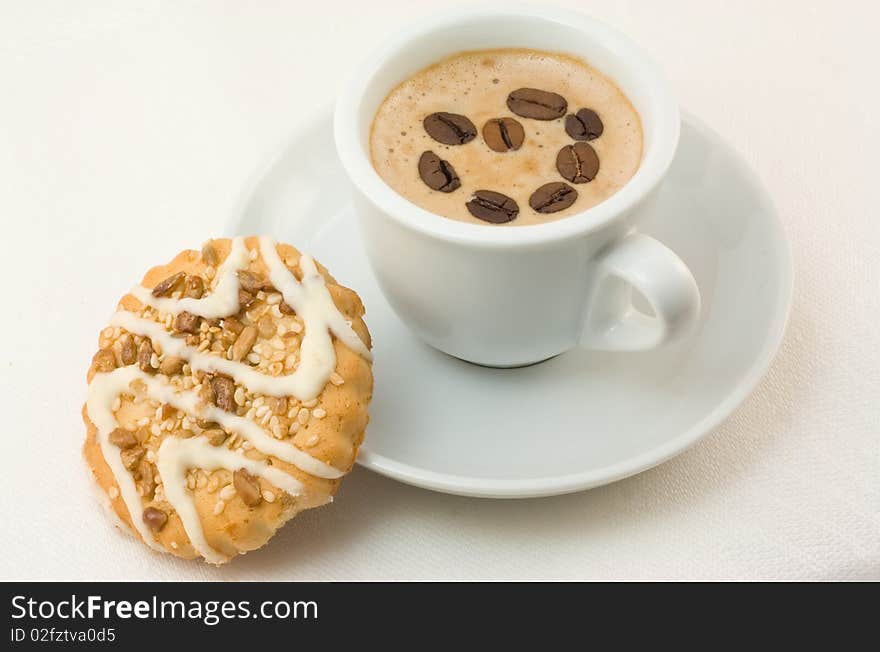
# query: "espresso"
{"points": [[506, 137]]}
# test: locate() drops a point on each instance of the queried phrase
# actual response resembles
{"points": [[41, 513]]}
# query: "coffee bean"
{"points": [[491, 206], [584, 125], [537, 104], [450, 128], [578, 163], [437, 173], [503, 134], [552, 197]]}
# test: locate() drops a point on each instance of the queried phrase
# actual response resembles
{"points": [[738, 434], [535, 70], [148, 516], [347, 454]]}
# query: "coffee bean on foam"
{"points": [[537, 104], [503, 134], [584, 125], [450, 128], [437, 173], [552, 197], [578, 163], [491, 206]]}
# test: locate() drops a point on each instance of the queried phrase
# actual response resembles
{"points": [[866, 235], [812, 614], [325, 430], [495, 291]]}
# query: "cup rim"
{"points": [[653, 167]]}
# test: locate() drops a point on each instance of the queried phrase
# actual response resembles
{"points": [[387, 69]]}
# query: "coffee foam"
{"points": [[476, 84]]}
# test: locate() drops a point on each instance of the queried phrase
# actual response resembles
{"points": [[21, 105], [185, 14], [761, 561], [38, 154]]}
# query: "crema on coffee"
{"points": [[511, 137]]}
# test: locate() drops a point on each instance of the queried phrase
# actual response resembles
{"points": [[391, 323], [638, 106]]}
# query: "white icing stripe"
{"points": [[188, 402], [271, 446], [222, 302], [173, 460], [311, 300], [103, 390], [302, 383], [176, 456]]}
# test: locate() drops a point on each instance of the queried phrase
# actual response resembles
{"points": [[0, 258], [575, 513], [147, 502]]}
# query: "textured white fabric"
{"points": [[126, 132]]}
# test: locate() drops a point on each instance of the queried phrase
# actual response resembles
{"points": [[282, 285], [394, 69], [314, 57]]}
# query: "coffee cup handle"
{"points": [[640, 262]]}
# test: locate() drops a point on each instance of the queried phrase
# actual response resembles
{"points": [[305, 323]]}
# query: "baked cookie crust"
{"points": [[224, 374]]}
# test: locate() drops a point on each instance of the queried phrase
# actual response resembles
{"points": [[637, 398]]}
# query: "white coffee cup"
{"points": [[510, 296]]}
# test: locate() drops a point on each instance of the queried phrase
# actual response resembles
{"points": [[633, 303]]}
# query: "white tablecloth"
{"points": [[126, 133]]}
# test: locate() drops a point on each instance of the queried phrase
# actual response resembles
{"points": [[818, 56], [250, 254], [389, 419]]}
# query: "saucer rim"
{"points": [[554, 485]]}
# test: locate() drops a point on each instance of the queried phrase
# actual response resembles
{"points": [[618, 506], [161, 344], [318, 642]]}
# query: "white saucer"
{"points": [[584, 418]]}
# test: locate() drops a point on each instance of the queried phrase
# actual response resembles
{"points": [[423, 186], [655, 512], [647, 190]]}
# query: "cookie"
{"points": [[229, 393]]}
